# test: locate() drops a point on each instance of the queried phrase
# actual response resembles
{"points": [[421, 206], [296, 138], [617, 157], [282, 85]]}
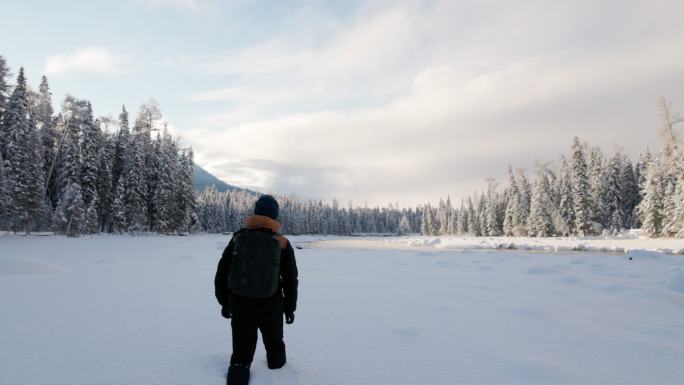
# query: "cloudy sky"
{"points": [[377, 101]]}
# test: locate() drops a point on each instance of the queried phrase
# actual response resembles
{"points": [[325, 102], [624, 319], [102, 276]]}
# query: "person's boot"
{"points": [[275, 361], [238, 375]]}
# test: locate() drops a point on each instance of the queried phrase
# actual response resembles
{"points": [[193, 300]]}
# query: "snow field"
{"points": [[129, 310]]}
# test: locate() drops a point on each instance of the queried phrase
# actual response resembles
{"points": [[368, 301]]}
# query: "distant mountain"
{"points": [[203, 179]]}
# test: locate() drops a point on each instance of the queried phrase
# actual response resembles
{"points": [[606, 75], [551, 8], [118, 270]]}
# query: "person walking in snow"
{"points": [[256, 283]]}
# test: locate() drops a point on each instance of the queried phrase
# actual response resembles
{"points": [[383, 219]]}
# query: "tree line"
{"points": [[589, 193], [225, 211], [68, 172]]}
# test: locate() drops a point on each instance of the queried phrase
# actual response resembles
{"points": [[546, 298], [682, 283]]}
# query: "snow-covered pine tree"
{"points": [[482, 215], [136, 188], [46, 123], [424, 225], [651, 206], [24, 157], [187, 219], [5, 202], [614, 195], [679, 207], [524, 202], [121, 147], [4, 98], [119, 223], [598, 186], [640, 171], [462, 223], [91, 139], [565, 204], [671, 160], [580, 190], [91, 220], [441, 221], [629, 189], [166, 203], [105, 188], [492, 215], [512, 194], [670, 226], [473, 219], [404, 226], [453, 221], [540, 221], [70, 213], [69, 167]]}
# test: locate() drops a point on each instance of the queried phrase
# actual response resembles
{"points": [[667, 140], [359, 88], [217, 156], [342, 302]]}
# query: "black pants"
{"points": [[244, 324]]}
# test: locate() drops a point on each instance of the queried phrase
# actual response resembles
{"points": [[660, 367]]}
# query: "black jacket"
{"points": [[284, 299]]}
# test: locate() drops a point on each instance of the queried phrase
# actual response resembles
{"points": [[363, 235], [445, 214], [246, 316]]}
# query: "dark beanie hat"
{"points": [[268, 206]]}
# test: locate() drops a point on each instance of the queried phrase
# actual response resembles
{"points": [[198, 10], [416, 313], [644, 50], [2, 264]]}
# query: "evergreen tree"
{"points": [[90, 149], [122, 145], [50, 138], [118, 212], [71, 211], [580, 190], [614, 194], [565, 204], [512, 196], [679, 207], [462, 223], [105, 187], [5, 202], [24, 157], [4, 98], [651, 206], [426, 222], [494, 227], [473, 220], [598, 185], [524, 202], [165, 201], [482, 215], [187, 217], [69, 167], [91, 222], [404, 226], [540, 223], [629, 188], [136, 188]]}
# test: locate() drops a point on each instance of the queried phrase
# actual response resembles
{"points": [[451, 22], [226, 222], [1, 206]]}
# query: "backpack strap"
{"points": [[281, 239]]}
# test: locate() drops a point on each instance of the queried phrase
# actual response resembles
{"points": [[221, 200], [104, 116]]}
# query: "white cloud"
{"points": [[414, 102], [85, 60]]}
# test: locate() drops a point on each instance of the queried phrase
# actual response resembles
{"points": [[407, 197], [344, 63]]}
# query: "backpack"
{"points": [[255, 264]]}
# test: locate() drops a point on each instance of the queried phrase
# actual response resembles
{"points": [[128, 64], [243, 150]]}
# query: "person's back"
{"points": [[256, 283]]}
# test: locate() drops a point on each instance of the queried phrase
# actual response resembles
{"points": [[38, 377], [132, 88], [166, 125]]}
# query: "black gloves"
{"points": [[226, 312], [289, 317]]}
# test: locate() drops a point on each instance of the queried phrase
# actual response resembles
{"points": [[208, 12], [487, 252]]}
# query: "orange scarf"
{"points": [[263, 222]]}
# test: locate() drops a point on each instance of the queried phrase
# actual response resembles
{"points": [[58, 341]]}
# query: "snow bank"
{"points": [[628, 242]]}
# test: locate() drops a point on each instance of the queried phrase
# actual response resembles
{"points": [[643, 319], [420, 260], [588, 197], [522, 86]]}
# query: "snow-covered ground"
{"points": [[631, 240], [140, 310]]}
